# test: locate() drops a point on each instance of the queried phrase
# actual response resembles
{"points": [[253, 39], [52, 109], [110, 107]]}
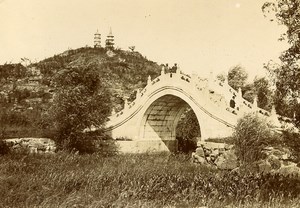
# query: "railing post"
{"points": [[149, 80], [113, 111], [138, 94], [239, 100], [210, 81], [254, 105], [162, 72], [125, 104], [274, 117]]}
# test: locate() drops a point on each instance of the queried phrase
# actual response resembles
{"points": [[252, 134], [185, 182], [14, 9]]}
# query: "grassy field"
{"points": [[157, 180]]}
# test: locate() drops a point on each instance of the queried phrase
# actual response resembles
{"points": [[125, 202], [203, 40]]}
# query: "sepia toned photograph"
{"points": [[150, 103]]}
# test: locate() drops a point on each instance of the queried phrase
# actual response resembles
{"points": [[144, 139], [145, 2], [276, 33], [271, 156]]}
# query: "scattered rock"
{"points": [[198, 159], [33, 145], [227, 161], [200, 152], [217, 155], [274, 162], [289, 170], [228, 146], [264, 167]]}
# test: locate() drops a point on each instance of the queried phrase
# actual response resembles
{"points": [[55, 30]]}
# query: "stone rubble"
{"points": [[278, 161], [222, 156], [33, 145], [217, 155]]}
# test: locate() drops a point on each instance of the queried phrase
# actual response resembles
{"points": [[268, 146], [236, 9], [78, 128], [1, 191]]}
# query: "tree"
{"points": [[263, 93], [81, 101], [237, 77], [222, 76], [131, 48], [260, 88], [286, 75]]}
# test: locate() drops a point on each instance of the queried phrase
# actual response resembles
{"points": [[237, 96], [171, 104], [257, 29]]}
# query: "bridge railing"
{"points": [[202, 85]]}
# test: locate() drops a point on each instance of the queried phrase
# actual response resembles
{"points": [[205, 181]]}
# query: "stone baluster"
{"points": [[138, 94], [227, 87], [125, 104], [178, 70], [274, 117], [254, 105], [162, 72], [239, 102], [210, 81], [149, 80], [194, 79], [240, 93], [239, 98]]}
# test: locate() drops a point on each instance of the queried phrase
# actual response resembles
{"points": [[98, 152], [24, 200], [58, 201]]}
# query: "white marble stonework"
{"points": [[154, 114]]}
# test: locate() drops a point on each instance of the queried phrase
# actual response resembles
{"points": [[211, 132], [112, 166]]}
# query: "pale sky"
{"points": [[199, 35]]}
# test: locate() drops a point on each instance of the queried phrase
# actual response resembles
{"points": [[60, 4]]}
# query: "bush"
{"points": [[4, 148], [292, 141], [252, 134], [89, 142]]}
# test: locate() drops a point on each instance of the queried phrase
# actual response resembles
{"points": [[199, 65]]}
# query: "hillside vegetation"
{"points": [[26, 93]]}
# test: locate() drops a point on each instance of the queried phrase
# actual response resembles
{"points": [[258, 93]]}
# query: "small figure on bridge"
{"points": [[173, 69], [167, 67], [232, 103]]}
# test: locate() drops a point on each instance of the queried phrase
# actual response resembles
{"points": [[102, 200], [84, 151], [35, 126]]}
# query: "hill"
{"points": [[27, 92]]}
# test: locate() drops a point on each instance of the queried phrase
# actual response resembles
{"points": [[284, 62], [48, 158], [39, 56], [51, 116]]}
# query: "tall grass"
{"points": [[157, 180]]}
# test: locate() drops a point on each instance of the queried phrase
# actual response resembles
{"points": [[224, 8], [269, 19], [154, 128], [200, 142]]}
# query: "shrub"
{"points": [[292, 141], [89, 142], [252, 134], [4, 148]]}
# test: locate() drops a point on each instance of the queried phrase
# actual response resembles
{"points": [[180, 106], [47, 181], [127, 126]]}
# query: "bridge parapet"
{"points": [[215, 92], [241, 105]]}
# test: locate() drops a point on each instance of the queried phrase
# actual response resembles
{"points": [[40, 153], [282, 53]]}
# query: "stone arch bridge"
{"points": [[150, 121]]}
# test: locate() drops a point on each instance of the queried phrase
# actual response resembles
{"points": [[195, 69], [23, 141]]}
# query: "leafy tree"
{"points": [[12, 71], [131, 48], [81, 101], [237, 77], [287, 74], [263, 93], [260, 88], [222, 76]]}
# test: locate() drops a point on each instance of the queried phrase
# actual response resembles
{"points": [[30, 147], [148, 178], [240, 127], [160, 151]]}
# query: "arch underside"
{"points": [[161, 118]]}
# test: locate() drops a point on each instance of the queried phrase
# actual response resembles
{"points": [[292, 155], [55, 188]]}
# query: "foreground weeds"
{"points": [[158, 180]]}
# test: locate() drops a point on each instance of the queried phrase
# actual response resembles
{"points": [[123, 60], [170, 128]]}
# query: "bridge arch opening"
{"points": [[161, 118]]}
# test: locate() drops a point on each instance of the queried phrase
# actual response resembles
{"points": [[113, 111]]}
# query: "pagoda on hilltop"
{"points": [[109, 43], [97, 40]]}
